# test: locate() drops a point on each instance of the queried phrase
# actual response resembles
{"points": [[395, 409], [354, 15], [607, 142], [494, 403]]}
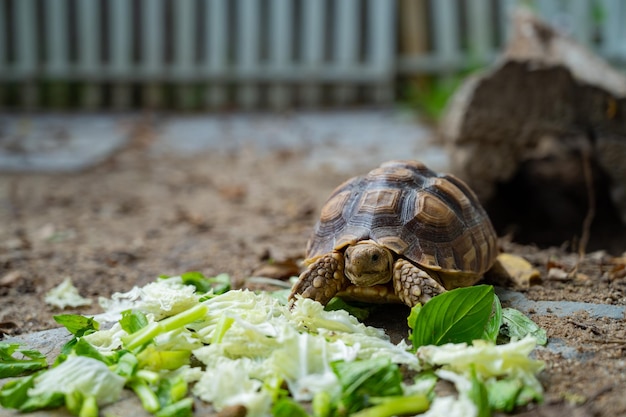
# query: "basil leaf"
{"points": [[492, 329], [456, 316]]}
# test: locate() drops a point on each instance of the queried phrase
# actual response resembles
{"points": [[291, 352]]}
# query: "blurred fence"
{"points": [[197, 54]]}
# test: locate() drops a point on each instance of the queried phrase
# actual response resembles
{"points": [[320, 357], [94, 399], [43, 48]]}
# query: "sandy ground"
{"points": [[140, 214]]}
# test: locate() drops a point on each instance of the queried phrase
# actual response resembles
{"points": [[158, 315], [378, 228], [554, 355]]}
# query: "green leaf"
{"points": [[84, 348], [171, 390], [337, 303], [492, 329], [361, 380], [79, 326], [503, 393], [12, 367], [456, 316], [322, 404], [515, 325], [148, 333], [182, 408], [286, 407], [133, 320], [218, 284], [76, 324], [15, 392], [479, 395], [395, 406], [127, 365], [47, 400]]}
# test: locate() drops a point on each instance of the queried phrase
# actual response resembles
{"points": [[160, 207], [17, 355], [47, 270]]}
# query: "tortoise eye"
{"points": [[375, 257]]}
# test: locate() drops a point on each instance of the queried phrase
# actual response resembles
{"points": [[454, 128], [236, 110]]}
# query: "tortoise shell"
{"points": [[433, 220]]}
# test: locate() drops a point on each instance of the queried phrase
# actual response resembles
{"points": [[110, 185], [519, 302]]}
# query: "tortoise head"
{"points": [[367, 263]]}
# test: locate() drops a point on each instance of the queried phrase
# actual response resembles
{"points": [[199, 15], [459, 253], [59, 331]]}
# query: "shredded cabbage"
{"points": [[83, 374], [66, 295], [162, 298]]}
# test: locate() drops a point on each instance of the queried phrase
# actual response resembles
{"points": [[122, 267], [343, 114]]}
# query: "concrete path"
{"points": [[344, 140]]}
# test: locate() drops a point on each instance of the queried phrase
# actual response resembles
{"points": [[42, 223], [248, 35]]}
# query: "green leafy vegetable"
{"points": [[253, 350], [133, 320], [216, 285], [286, 407], [492, 329], [479, 395], [82, 374], [15, 392], [337, 303], [395, 406], [515, 326], [362, 380], [182, 408], [77, 325], [146, 334], [457, 316], [11, 366]]}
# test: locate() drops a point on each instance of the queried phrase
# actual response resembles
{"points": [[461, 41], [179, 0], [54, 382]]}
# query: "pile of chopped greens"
{"points": [[190, 336]]}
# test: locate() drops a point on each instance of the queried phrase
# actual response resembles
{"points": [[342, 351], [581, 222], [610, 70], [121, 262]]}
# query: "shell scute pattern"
{"points": [[431, 219]]}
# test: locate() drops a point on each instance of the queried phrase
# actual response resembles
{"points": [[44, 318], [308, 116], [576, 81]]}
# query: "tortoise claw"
{"points": [[413, 285], [322, 280]]}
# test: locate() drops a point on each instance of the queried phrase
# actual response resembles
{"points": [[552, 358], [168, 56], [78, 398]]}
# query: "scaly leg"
{"points": [[322, 280], [413, 285]]}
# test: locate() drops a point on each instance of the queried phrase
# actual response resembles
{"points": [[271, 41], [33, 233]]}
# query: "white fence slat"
{"points": [[446, 34], [505, 10], [380, 51], [88, 38], [380, 36], [56, 16], [25, 44], [216, 51], [152, 45], [217, 42], [183, 68], [152, 53], [480, 33], [280, 49], [120, 38], [347, 43], [247, 50], [184, 30], [311, 38], [26, 50]]}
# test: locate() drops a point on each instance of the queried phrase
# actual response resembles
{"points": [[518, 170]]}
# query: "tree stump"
{"points": [[541, 138]]}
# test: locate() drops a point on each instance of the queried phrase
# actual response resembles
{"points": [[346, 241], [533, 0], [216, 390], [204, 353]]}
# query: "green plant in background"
{"points": [[429, 96]]}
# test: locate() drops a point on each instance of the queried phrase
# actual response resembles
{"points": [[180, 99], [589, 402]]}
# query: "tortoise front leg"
{"points": [[413, 285], [322, 280]]}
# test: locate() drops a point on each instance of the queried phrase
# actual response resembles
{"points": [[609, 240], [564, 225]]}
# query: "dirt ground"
{"points": [[135, 217]]}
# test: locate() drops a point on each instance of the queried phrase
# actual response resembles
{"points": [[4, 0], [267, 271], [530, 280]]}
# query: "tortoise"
{"points": [[400, 234]]}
